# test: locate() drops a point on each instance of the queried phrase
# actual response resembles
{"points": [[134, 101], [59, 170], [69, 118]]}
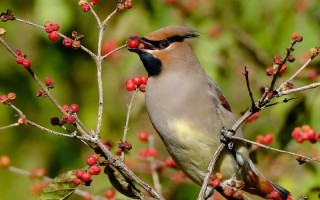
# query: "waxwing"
{"points": [[188, 111]]}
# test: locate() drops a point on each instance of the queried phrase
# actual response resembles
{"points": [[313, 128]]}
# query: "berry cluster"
{"points": [[71, 118], [75, 42], [278, 62], [124, 5], [304, 133], [137, 82], [150, 152], [84, 176], [52, 29], [235, 191], [22, 59], [274, 195], [265, 139], [84, 6], [8, 98]]}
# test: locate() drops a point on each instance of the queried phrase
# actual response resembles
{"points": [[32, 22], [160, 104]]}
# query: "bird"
{"points": [[188, 111]]}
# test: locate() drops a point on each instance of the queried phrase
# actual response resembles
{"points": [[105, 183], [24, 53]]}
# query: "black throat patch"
{"points": [[153, 65]]}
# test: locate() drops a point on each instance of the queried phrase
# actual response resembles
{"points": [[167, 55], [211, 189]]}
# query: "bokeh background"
{"points": [[234, 34]]}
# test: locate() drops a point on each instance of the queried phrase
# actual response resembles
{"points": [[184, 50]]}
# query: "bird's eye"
{"points": [[164, 43]]}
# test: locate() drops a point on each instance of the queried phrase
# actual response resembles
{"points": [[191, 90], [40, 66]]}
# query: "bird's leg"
{"points": [[226, 138]]}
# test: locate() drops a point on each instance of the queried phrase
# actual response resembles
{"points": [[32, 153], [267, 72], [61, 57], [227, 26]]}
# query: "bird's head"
{"points": [[163, 48]]}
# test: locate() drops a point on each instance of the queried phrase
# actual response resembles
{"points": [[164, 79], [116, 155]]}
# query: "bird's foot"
{"points": [[226, 139]]}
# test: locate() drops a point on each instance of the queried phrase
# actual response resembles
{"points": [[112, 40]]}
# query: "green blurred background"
{"points": [[234, 34]]}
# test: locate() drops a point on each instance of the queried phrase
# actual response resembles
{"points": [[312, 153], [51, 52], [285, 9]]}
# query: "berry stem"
{"points": [[306, 159], [153, 166], [126, 127]]}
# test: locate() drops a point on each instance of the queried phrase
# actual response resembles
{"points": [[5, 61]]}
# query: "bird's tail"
{"points": [[257, 184]]}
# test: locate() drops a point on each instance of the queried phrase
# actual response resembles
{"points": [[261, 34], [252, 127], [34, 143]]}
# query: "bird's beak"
{"points": [[143, 45]]}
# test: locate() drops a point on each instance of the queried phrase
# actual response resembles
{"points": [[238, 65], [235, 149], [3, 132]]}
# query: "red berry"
{"points": [[48, 29], [274, 195], [67, 42], [297, 37], [144, 79], [109, 193], [55, 27], [74, 108], [72, 119], [5, 161], [283, 69], [270, 71], [133, 43], [215, 183], [311, 134], [94, 170], [128, 4], [91, 160], [94, 2], [20, 59], [48, 80], [79, 173], [253, 117], [86, 177], [152, 152], [87, 197], [130, 86], [26, 63], [64, 119], [77, 181], [85, 7], [142, 88], [137, 80], [65, 107], [143, 152], [296, 132], [109, 46], [18, 52], [143, 136], [267, 139], [54, 35], [170, 162]]}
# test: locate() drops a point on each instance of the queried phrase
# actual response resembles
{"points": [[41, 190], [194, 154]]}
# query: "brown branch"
{"points": [[126, 127], [305, 158]]}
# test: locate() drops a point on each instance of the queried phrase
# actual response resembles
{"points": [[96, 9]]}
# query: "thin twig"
{"points": [[79, 192], [307, 159], [126, 127], [123, 168], [114, 50], [300, 69], [153, 166], [246, 75], [62, 35], [295, 90], [10, 126]]}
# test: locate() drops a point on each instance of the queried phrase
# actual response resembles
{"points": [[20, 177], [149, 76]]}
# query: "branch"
{"points": [[126, 127], [153, 166], [305, 158]]}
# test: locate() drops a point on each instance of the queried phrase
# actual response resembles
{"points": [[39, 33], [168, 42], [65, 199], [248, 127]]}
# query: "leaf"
{"points": [[59, 188]]}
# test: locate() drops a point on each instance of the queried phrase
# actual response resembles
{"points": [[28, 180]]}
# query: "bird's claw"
{"points": [[226, 139]]}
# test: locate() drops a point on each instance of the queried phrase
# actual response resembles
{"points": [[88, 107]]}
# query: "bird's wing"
{"points": [[218, 94]]}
